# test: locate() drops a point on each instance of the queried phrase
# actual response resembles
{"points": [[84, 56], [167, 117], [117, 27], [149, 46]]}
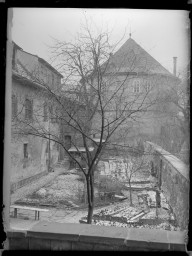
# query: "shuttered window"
{"points": [[28, 109]]}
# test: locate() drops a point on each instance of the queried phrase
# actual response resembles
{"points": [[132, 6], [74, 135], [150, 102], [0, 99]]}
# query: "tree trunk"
{"points": [[85, 192], [130, 193], [158, 202], [90, 214], [90, 197], [158, 199]]}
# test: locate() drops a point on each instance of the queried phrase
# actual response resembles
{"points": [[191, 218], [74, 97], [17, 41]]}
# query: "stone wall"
{"points": [[66, 236], [26, 181], [37, 160], [173, 180]]}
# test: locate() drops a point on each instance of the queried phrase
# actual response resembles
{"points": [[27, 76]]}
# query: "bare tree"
{"points": [[175, 103], [132, 165], [89, 103]]}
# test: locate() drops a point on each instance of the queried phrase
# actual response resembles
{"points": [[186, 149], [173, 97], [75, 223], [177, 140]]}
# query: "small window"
{"points": [[28, 109], [25, 150], [147, 86], [45, 112], [68, 141], [14, 106], [136, 86], [53, 116]]}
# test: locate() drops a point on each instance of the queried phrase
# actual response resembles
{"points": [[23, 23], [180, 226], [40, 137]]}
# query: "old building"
{"points": [[140, 78], [32, 108]]}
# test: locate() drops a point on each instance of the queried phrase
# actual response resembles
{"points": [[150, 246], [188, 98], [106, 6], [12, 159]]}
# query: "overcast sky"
{"points": [[163, 33]]}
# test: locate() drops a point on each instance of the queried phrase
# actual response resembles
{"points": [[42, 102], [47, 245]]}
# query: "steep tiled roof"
{"points": [[44, 62], [131, 57]]}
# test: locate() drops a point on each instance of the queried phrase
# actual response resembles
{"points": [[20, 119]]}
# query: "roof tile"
{"points": [[131, 57]]}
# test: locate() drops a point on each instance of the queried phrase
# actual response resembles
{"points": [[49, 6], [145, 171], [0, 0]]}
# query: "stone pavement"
{"points": [[36, 185], [21, 224], [26, 219]]}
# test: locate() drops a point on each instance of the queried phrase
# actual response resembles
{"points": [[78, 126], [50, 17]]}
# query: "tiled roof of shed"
{"points": [[131, 57]]}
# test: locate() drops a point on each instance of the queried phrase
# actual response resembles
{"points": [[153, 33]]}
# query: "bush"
{"points": [[109, 186]]}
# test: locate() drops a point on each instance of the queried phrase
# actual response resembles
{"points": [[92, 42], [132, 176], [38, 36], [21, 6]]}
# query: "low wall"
{"points": [[59, 236], [173, 180], [24, 182]]}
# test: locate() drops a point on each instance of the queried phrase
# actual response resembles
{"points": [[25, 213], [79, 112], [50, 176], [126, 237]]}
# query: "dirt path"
{"points": [[36, 185]]}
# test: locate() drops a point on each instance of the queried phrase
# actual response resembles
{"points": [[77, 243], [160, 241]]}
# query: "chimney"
{"points": [[174, 66]]}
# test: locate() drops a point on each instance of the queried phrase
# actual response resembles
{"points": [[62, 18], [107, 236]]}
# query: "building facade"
{"points": [[141, 80], [33, 108]]}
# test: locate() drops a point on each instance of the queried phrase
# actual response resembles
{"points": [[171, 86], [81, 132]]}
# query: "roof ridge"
{"points": [[152, 57], [152, 65], [41, 59]]}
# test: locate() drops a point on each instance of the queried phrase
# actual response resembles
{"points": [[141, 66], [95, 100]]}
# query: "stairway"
{"points": [[62, 164]]}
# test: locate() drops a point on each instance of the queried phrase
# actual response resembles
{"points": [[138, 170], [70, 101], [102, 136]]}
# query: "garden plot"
{"points": [[144, 215], [164, 225], [63, 192], [119, 213]]}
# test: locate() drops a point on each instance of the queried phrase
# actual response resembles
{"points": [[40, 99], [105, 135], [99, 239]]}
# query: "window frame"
{"points": [[25, 151], [53, 118], [147, 86], [28, 109], [67, 140], [136, 86]]}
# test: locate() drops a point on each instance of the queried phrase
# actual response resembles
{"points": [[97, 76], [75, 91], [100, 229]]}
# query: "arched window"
{"points": [[28, 109], [136, 86], [14, 106]]}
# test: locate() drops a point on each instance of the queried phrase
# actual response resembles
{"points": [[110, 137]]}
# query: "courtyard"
{"points": [[65, 199]]}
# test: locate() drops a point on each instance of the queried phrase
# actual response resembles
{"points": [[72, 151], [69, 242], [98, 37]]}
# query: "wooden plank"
{"points": [[120, 197], [29, 208]]}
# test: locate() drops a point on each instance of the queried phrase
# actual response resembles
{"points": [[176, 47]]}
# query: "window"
{"points": [[14, 106], [45, 112], [68, 141], [147, 86], [25, 150], [28, 109], [136, 86], [52, 115]]}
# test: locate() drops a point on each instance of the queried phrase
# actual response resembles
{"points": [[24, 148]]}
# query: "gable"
{"points": [[131, 57]]}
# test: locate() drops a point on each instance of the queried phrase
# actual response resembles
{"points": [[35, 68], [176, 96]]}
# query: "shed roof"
{"points": [[80, 149]]}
